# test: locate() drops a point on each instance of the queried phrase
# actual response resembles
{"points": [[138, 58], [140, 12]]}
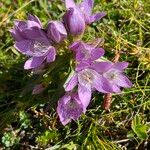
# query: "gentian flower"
{"points": [[85, 8], [113, 73], [56, 31], [74, 21], [32, 41], [69, 108], [86, 52], [87, 80]]}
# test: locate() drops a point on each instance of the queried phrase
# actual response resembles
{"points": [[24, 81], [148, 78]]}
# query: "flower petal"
{"points": [[20, 25], [120, 65], [97, 53], [35, 34], [82, 65], [69, 85], [51, 55], [33, 62], [60, 110], [35, 19], [56, 31], [115, 88], [101, 84], [123, 81], [74, 21], [23, 46], [84, 95], [16, 35], [97, 17], [101, 67], [69, 107], [86, 6]]}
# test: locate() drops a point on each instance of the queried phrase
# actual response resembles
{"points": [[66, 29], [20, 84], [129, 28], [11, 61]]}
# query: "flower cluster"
{"points": [[91, 73]]}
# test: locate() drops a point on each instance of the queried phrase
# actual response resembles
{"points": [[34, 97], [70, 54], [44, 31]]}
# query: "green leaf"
{"points": [[141, 131], [139, 128]]}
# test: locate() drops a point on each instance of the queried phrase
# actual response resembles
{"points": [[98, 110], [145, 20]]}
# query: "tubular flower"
{"points": [[56, 31], [69, 108], [85, 8], [86, 52], [32, 41], [74, 21], [113, 73], [87, 80]]}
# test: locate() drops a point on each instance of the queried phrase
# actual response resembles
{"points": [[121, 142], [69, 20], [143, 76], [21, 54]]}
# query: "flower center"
{"points": [[87, 76], [40, 47], [86, 53], [71, 104], [111, 75]]}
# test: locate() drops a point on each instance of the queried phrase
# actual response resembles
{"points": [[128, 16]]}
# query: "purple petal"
{"points": [[33, 24], [74, 21], [123, 81], [60, 110], [75, 46], [84, 95], [71, 83], [97, 17], [16, 35], [120, 65], [70, 4], [33, 62], [35, 19], [35, 34], [115, 88], [82, 65], [101, 67], [86, 51], [69, 107], [97, 53], [86, 6], [51, 55], [101, 84], [23, 46], [81, 50], [20, 25], [56, 31]]}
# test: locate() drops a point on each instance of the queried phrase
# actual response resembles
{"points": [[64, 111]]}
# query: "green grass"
{"points": [[24, 121]]}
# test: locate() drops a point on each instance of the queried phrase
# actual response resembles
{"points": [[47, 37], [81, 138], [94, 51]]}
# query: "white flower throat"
{"points": [[87, 76], [40, 47]]}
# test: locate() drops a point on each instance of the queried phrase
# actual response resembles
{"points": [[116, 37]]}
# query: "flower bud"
{"points": [[74, 21], [56, 31], [39, 88]]}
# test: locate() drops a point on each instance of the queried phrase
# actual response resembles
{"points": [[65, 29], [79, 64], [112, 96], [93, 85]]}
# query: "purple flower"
{"points": [[69, 107], [56, 31], [32, 41], [86, 52], [74, 21], [86, 9], [113, 73], [87, 80]]}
